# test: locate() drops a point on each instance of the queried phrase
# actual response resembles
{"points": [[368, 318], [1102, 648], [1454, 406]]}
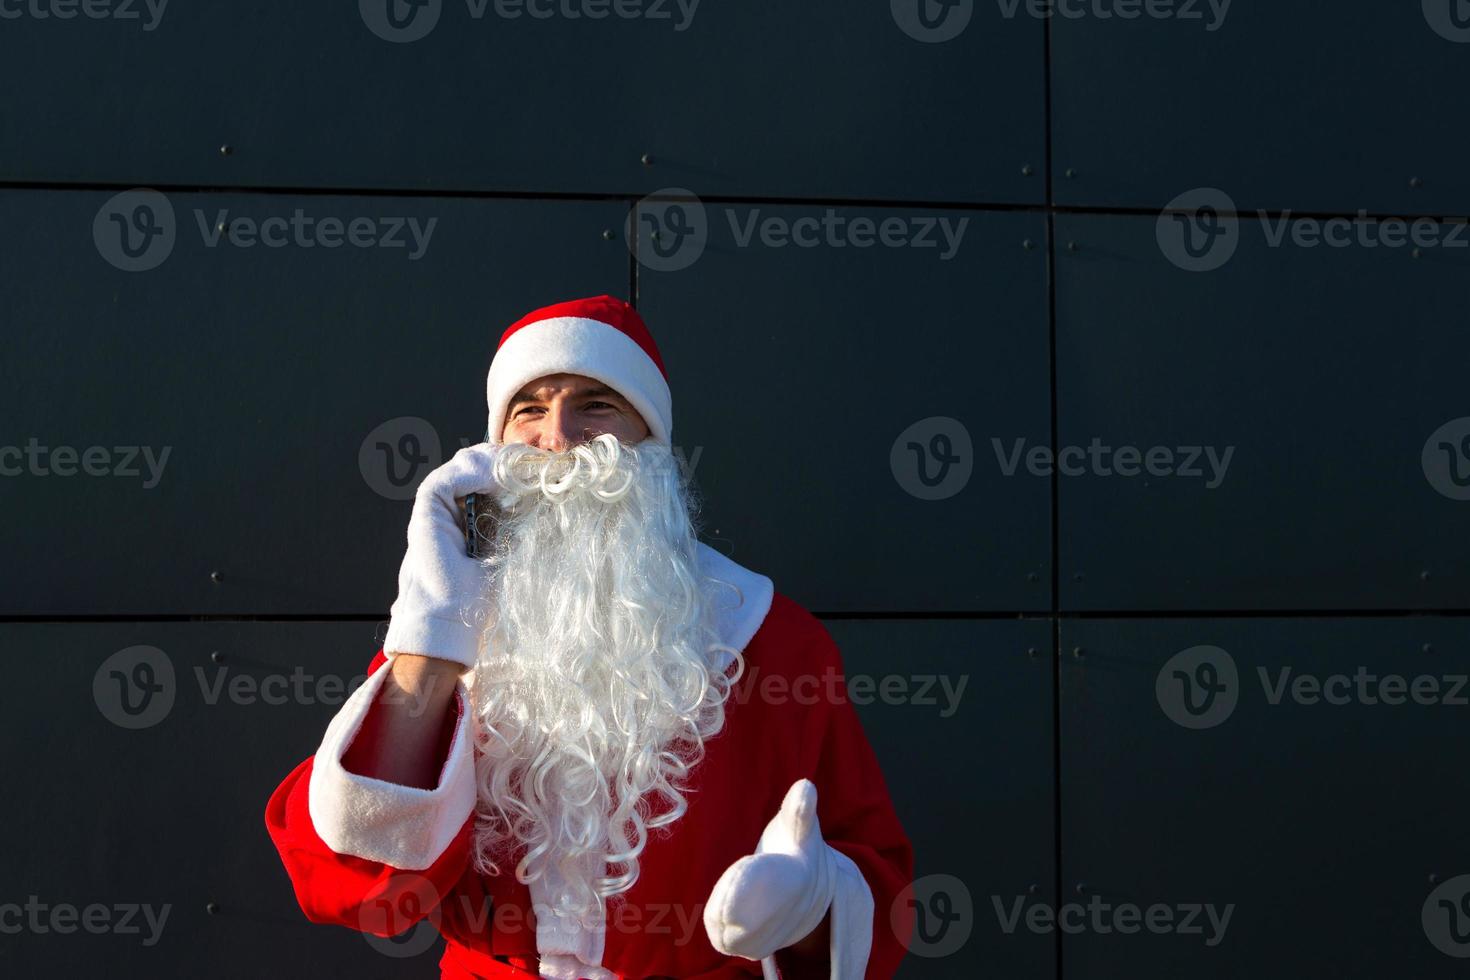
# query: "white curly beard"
{"points": [[600, 673]]}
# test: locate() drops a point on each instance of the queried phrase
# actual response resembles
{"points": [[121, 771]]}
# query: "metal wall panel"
{"points": [[825, 99], [300, 393], [960, 715], [1333, 372], [1314, 106], [1333, 829], [170, 812], [867, 384]]}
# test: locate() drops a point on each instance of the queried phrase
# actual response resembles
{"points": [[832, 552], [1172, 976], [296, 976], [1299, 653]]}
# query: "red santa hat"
{"points": [[601, 337]]}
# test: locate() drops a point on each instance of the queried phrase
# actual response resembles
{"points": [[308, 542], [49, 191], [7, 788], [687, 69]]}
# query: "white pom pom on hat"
{"points": [[600, 337]]}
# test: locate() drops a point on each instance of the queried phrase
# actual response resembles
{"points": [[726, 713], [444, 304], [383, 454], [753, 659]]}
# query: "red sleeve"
{"points": [[857, 816], [341, 889]]}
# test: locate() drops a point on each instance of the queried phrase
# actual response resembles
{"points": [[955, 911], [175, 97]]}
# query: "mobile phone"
{"points": [[471, 520], [478, 521]]}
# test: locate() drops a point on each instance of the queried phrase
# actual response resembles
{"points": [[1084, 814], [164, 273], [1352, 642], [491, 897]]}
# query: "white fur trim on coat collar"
{"points": [[741, 613]]}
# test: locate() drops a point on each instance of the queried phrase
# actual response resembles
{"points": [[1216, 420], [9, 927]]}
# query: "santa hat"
{"points": [[601, 337]]}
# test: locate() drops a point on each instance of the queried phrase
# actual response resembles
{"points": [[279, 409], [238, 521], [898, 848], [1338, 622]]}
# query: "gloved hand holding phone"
{"points": [[439, 579]]}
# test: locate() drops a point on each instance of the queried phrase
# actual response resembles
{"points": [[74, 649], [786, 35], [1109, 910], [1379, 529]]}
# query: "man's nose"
{"points": [[559, 435]]}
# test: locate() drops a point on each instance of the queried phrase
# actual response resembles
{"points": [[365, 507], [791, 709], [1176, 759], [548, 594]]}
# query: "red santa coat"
{"points": [[400, 854]]}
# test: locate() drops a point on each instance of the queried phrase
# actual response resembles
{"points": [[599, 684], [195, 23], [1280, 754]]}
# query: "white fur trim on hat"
{"points": [[577, 345]]}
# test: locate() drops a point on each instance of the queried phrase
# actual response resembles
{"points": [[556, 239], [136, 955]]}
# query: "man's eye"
{"points": [[603, 404], [529, 408]]}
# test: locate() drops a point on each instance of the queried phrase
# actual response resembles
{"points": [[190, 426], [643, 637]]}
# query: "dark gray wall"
{"points": [[1213, 258]]}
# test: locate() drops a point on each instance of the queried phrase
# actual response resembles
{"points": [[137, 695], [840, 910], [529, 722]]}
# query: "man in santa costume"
{"points": [[601, 749]]}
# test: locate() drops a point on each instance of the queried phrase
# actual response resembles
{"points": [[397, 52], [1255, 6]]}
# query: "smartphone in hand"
{"points": [[471, 527]]}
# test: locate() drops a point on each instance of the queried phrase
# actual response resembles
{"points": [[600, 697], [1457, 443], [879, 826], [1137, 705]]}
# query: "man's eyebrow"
{"points": [[596, 391]]}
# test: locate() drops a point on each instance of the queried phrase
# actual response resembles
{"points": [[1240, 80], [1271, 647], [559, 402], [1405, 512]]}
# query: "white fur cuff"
{"points": [[401, 826]]}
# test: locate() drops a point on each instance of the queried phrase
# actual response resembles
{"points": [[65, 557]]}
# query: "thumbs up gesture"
{"points": [[775, 897]]}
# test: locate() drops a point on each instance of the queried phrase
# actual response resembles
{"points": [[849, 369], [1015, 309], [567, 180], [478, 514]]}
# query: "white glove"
{"points": [[438, 579], [775, 897]]}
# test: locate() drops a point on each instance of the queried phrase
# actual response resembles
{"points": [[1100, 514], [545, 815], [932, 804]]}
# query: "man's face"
{"points": [[559, 411]]}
